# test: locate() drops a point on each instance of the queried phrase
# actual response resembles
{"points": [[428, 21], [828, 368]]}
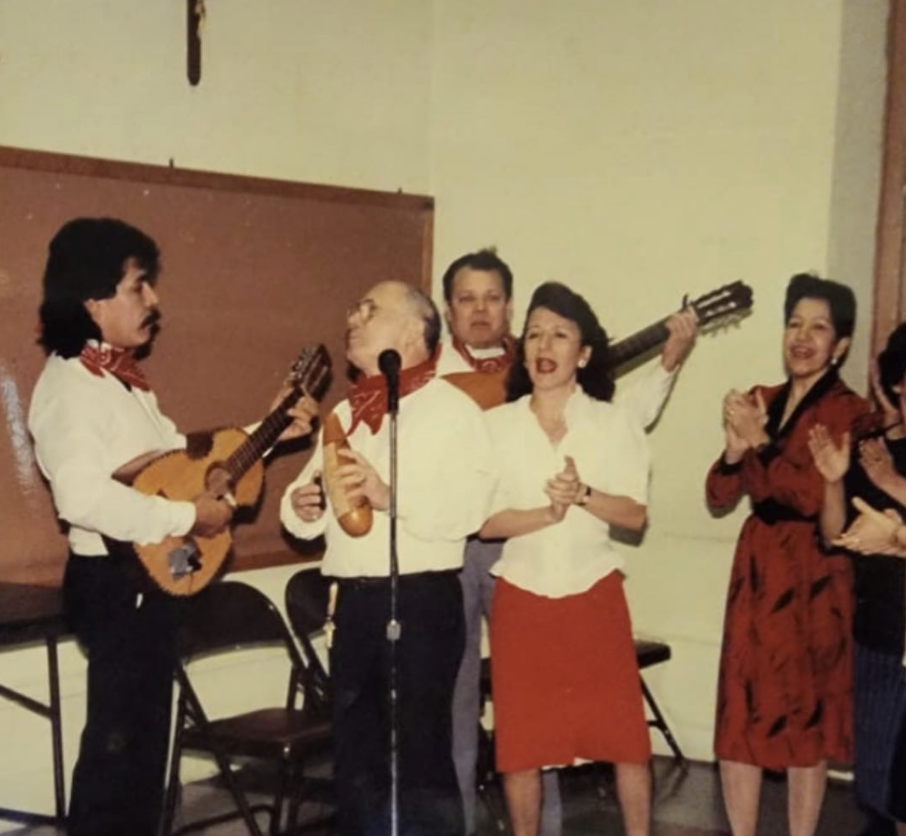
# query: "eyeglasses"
{"points": [[365, 309]]}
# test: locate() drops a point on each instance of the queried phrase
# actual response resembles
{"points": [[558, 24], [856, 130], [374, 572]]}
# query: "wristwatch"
{"points": [[584, 496]]}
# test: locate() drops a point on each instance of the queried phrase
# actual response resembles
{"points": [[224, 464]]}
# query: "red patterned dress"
{"points": [[785, 685]]}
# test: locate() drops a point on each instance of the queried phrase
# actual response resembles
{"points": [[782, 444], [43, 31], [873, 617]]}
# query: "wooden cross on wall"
{"points": [[195, 15]]}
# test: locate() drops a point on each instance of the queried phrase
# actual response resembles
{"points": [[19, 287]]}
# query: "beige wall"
{"points": [[319, 91], [637, 151]]}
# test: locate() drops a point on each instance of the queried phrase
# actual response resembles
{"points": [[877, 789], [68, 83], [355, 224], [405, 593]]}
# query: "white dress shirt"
{"points": [[611, 454], [445, 472], [85, 427]]}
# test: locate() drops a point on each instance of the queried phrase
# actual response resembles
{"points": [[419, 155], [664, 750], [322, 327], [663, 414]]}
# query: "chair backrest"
{"points": [[307, 594], [230, 615]]}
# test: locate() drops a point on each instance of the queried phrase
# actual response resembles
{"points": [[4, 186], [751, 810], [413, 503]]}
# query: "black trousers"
{"points": [[118, 782], [428, 654]]}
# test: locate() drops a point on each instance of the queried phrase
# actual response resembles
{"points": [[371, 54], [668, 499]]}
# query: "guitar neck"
{"points": [[637, 344], [730, 300], [263, 438]]}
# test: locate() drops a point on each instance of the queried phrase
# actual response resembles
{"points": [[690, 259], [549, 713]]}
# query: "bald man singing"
{"points": [[444, 487]]}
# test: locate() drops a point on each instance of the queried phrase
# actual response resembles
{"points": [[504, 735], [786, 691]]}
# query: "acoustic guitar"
{"points": [[711, 309], [230, 465]]}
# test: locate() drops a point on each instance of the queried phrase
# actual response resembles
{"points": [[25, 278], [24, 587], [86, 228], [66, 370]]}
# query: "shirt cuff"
{"points": [[183, 517]]}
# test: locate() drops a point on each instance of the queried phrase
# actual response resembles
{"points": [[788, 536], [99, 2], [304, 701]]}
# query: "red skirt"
{"points": [[565, 678]]}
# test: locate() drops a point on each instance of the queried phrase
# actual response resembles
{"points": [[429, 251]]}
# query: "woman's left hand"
{"points": [[873, 531]]}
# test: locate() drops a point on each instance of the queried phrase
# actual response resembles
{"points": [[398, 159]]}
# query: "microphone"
{"points": [[389, 364]]}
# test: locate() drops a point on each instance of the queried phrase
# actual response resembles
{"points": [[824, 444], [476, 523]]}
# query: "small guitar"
{"points": [[185, 565], [718, 306]]}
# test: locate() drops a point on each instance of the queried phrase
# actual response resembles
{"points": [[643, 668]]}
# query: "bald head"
{"points": [[391, 315]]}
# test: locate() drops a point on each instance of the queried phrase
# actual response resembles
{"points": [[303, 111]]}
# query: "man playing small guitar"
{"points": [[92, 412]]}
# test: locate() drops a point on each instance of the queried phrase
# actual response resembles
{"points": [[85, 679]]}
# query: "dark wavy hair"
{"points": [[485, 259], [596, 379], [892, 363], [87, 260], [840, 299]]}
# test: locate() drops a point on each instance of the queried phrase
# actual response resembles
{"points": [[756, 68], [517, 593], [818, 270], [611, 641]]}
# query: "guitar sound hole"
{"points": [[183, 560]]}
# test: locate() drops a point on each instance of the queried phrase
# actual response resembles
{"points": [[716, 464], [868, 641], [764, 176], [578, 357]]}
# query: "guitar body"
{"points": [[226, 465], [177, 475]]}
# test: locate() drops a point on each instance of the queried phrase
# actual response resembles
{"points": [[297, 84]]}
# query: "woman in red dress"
{"points": [[785, 687]]}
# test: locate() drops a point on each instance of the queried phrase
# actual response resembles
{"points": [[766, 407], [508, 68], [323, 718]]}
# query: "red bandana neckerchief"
{"points": [[118, 361], [488, 365], [368, 395]]}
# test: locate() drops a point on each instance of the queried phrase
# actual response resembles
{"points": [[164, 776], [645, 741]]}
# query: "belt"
{"points": [[770, 511], [369, 581]]}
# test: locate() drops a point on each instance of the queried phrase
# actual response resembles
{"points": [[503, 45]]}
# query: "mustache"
{"points": [[153, 317]]}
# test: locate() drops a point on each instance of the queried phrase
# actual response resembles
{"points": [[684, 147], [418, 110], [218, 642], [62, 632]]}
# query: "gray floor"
{"points": [[687, 803]]}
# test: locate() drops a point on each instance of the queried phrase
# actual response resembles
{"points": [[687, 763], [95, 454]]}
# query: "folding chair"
{"points": [[647, 653], [306, 597], [224, 618]]}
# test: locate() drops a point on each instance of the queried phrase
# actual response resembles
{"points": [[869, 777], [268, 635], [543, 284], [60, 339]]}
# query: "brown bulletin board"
{"points": [[253, 270]]}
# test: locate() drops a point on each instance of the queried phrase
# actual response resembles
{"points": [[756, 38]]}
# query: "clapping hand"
{"points": [[877, 463], [744, 419], [831, 460], [873, 531], [563, 489], [747, 416]]}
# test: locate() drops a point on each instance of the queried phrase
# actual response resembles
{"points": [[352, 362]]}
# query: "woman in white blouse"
{"points": [[572, 464]]}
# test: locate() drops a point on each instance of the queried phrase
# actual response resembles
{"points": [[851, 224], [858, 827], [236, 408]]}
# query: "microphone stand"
{"points": [[394, 628]]}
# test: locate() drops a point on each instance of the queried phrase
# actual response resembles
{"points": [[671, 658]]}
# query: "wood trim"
{"points": [[889, 290], [194, 178], [428, 254]]}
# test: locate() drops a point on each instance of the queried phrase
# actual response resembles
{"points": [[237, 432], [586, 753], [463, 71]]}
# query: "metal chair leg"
{"points": [[661, 725]]}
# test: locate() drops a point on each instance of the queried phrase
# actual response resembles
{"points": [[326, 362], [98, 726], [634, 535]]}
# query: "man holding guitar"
{"points": [[478, 294], [94, 421]]}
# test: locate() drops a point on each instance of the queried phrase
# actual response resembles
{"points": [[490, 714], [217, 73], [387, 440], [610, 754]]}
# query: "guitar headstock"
{"points": [[728, 302], [311, 370]]}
